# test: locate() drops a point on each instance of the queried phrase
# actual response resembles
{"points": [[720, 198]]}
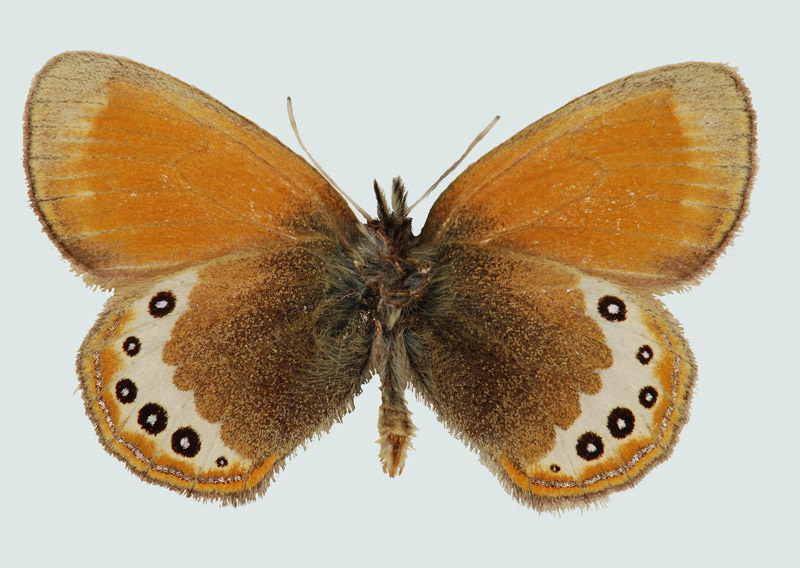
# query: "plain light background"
{"points": [[382, 89]]}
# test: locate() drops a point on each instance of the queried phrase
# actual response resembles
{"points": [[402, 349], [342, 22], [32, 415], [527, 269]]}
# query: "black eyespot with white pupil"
{"points": [[555, 468], [221, 461], [648, 397], [131, 346], [645, 354], [621, 422], [612, 308], [185, 442], [126, 391], [153, 418], [589, 446], [161, 304]]}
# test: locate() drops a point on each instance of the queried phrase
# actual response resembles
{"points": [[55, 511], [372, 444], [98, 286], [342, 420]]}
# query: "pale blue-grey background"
{"points": [[382, 89]]}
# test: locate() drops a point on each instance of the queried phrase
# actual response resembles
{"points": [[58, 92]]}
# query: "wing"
{"points": [[206, 380], [569, 386], [136, 174], [642, 181]]}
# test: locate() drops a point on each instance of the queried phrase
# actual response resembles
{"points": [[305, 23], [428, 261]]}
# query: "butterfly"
{"points": [[250, 305]]}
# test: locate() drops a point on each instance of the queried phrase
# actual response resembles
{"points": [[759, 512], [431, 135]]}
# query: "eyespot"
{"points": [[126, 391], [161, 304], [621, 422], [648, 397], [185, 442], [612, 308], [589, 446], [131, 346], [152, 418], [645, 354]]}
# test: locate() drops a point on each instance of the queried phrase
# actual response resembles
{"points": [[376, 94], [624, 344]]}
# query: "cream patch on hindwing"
{"points": [[146, 400], [623, 411]]}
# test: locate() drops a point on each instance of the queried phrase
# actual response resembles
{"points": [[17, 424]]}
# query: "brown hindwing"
{"points": [[205, 381], [567, 385]]}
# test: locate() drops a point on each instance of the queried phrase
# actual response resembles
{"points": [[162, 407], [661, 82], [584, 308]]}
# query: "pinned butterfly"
{"points": [[250, 305]]}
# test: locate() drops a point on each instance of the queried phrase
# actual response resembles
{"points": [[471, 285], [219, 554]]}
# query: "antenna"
{"points": [[355, 205], [447, 172]]}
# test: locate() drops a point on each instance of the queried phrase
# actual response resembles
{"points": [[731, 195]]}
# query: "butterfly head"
{"points": [[393, 224]]}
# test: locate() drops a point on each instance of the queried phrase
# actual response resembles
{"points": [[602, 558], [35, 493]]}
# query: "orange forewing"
{"points": [[641, 181], [137, 174]]}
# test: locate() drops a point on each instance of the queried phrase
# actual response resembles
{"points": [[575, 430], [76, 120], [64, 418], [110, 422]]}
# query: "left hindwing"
{"points": [[206, 380], [568, 385]]}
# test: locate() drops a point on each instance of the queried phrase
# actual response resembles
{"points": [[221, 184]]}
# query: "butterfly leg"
{"points": [[394, 419]]}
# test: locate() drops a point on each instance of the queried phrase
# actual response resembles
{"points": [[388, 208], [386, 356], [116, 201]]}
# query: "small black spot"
{"points": [[221, 461], [126, 391], [648, 397], [555, 468], [589, 446], [612, 308], [161, 304], [153, 418], [131, 346], [621, 422], [185, 442], [645, 354]]}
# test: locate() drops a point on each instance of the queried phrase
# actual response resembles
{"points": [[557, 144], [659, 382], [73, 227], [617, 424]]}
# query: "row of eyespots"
{"points": [[153, 417], [153, 420], [614, 309], [621, 423], [160, 305]]}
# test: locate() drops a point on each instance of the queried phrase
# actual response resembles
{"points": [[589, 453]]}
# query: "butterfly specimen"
{"points": [[250, 305]]}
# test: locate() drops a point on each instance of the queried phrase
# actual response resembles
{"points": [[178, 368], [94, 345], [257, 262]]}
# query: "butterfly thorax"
{"points": [[393, 268]]}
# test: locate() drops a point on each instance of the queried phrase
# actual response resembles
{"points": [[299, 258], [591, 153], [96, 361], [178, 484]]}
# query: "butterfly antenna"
{"points": [[355, 205], [447, 172]]}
